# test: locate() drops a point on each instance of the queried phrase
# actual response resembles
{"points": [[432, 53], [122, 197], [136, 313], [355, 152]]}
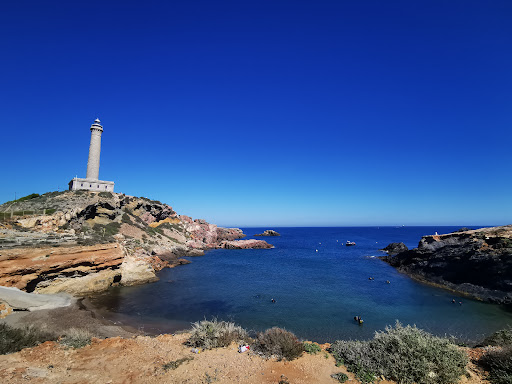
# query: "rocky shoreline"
{"points": [[119, 240], [92, 241], [476, 263]]}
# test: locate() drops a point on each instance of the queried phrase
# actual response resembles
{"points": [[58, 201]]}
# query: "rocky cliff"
{"points": [[474, 262], [85, 242]]}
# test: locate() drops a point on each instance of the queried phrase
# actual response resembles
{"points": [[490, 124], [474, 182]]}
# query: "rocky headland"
{"points": [[477, 263], [83, 242]]}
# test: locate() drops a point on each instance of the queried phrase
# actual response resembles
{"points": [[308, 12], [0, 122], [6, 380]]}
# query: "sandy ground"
{"points": [[141, 360], [122, 356]]}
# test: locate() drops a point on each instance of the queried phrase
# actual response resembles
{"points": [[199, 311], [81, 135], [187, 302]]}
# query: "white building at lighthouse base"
{"points": [[91, 185]]}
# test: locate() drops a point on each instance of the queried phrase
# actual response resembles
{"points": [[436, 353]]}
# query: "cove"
{"points": [[318, 285]]}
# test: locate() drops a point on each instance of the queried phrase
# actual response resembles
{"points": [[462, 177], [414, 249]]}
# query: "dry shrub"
{"points": [[214, 334], [76, 338], [278, 343]]}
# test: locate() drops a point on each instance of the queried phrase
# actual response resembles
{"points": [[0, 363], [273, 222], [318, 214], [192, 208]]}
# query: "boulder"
{"points": [[245, 244], [395, 248]]}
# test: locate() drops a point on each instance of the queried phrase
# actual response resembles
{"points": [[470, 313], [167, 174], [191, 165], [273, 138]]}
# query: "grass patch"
{"points": [[215, 334], [279, 343], [312, 348], [76, 338], [176, 363], [403, 354], [15, 339]]}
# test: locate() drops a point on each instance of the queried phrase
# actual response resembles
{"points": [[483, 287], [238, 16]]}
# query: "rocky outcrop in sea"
{"points": [[477, 262], [87, 242], [268, 232]]}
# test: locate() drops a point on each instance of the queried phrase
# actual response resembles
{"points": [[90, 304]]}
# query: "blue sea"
{"points": [[318, 285]]}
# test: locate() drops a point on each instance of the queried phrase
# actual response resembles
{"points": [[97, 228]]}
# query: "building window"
{"points": [[90, 186], [82, 184]]}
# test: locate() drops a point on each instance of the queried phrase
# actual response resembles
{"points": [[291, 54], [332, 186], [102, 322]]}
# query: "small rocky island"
{"points": [[268, 232], [477, 263]]}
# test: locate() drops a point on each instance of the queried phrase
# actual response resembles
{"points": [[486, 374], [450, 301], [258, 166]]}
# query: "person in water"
{"points": [[273, 300]]}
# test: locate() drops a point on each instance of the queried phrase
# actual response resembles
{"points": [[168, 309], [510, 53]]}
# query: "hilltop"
{"points": [[82, 242]]}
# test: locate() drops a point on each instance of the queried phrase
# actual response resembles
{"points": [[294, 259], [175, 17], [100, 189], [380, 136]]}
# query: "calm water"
{"points": [[318, 283]]}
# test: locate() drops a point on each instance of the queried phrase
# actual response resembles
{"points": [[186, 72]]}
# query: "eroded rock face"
{"points": [[268, 232], [395, 248], [474, 262], [60, 269], [92, 241]]}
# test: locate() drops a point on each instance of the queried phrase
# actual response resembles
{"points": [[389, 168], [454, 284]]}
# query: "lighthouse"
{"points": [[91, 181], [93, 164]]}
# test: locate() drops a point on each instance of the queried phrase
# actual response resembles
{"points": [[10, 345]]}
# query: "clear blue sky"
{"points": [[269, 112]]}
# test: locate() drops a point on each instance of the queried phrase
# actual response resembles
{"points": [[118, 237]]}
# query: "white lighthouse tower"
{"points": [[92, 182]]}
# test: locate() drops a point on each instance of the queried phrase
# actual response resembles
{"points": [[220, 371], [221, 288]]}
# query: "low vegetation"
{"points": [[76, 338], [108, 195], [502, 338], [312, 348], [498, 363], [278, 343], [340, 377], [403, 354], [176, 363], [15, 339], [207, 334]]}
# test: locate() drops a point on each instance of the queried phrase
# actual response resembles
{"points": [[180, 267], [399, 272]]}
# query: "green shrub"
{"points": [[279, 343], [15, 339], [341, 377], [403, 354], [176, 363], [215, 334], [126, 218], [312, 348], [107, 230], [105, 194], [76, 338], [500, 338], [498, 364]]}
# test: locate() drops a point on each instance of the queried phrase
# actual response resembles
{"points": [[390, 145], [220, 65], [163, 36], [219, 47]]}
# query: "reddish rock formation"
{"points": [[92, 241], [245, 244]]}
